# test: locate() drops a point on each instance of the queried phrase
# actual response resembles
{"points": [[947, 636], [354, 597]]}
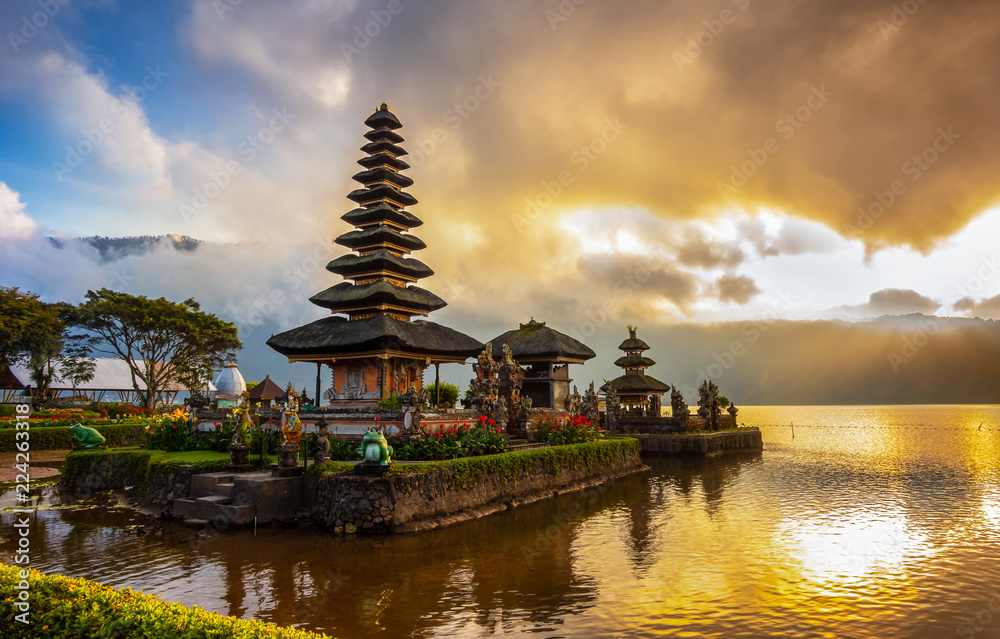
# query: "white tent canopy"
{"points": [[110, 376]]}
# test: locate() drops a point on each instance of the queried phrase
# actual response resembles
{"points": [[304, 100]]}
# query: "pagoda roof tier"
{"points": [[378, 295], [382, 193], [383, 118], [373, 161], [337, 336], [633, 344], [383, 133], [535, 342], [377, 237], [636, 384], [381, 174], [380, 263], [379, 214], [634, 361], [387, 148]]}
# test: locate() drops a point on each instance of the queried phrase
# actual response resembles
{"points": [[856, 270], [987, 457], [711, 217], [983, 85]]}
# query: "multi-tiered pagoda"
{"points": [[638, 392], [372, 342]]}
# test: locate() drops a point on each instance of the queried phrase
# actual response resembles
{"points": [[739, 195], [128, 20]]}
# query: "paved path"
{"points": [[37, 461]]}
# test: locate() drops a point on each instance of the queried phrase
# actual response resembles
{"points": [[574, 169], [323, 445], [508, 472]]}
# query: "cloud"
{"points": [[988, 308], [890, 301], [14, 223], [736, 288]]}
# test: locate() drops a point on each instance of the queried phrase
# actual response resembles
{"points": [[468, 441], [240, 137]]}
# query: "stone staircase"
{"points": [[228, 499]]}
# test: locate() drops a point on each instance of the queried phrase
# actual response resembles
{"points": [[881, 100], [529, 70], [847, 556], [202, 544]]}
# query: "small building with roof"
{"points": [[546, 354], [266, 393], [230, 386], [639, 393]]}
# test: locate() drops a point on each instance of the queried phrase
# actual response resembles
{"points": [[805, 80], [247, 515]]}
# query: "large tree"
{"points": [[161, 341], [34, 334]]}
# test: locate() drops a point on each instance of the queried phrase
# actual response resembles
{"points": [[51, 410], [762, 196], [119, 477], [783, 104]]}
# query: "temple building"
{"points": [[372, 342], [266, 393], [638, 392], [546, 354]]}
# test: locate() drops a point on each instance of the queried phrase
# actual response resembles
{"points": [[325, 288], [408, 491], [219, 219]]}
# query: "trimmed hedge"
{"points": [[604, 453], [115, 469], [61, 437], [65, 608]]}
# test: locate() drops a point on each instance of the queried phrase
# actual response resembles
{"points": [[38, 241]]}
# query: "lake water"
{"points": [[869, 522]]}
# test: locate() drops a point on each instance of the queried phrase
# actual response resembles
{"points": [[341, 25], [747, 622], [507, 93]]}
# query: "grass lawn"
{"points": [[191, 456]]}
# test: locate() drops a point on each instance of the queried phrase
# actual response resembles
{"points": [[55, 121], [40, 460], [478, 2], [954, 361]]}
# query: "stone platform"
{"points": [[237, 498], [704, 444]]}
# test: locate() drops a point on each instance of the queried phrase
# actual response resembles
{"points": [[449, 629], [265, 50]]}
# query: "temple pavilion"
{"points": [[546, 354], [638, 392], [371, 341]]}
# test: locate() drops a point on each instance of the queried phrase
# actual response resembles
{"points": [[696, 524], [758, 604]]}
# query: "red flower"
{"points": [[482, 418], [492, 421], [175, 426]]}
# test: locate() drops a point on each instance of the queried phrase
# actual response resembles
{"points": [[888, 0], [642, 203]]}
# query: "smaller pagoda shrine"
{"points": [[638, 393], [266, 393], [546, 354]]}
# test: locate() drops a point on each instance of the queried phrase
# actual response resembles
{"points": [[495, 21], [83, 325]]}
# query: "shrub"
{"points": [[449, 394], [558, 431], [61, 437], [467, 440], [174, 434], [63, 608], [390, 403], [7, 410]]}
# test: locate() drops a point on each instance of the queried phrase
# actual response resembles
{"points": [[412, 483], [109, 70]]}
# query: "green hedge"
{"points": [[61, 437], [65, 608], [605, 453], [133, 467]]}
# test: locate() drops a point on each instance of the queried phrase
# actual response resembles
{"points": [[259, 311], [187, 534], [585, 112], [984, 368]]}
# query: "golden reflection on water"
{"points": [[869, 522]]}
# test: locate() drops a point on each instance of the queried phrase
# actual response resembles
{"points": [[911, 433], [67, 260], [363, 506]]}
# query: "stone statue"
{"points": [[374, 448], [85, 437], [243, 423], [590, 407], [613, 409], [500, 412], [573, 402], [291, 428], [732, 410], [323, 442]]}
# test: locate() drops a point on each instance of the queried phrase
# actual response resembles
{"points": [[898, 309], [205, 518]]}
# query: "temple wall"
{"points": [[704, 444]]}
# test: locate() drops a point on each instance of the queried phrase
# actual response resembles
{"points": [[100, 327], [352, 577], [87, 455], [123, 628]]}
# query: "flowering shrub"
{"points": [[566, 430], [467, 440], [175, 434]]}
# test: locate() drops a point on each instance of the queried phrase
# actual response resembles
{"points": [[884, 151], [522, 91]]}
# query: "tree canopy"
{"points": [[160, 340]]}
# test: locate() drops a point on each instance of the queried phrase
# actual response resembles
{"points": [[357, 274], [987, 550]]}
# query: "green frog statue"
{"points": [[375, 449], [84, 437]]}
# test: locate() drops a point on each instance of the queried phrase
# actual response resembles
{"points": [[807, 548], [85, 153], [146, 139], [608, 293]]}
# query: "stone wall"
{"points": [[422, 496], [154, 483], [744, 439]]}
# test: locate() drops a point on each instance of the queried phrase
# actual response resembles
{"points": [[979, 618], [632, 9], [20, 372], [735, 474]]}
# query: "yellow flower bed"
{"points": [[64, 608]]}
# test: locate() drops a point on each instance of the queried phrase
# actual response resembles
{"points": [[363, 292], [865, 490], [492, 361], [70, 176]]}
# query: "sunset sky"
{"points": [[590, 165]]}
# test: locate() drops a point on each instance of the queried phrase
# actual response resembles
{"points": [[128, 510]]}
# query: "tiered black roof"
{"points": [[381, 298], [635, 381], [381, 271]]}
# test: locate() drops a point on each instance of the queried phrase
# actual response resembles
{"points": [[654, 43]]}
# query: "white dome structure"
{"points": [[230, 381]]}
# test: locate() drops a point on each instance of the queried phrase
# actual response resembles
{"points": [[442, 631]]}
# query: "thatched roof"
{"points": [[535, 341], [351, 264], [336, 335], [634, 362], [635, 384], [346, 296], [267, 389]]}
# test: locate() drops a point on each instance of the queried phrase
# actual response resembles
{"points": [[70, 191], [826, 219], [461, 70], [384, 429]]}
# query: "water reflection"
{"points": [[869, 522]]}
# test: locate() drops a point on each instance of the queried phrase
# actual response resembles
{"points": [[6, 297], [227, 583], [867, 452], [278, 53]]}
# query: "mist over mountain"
{"points": [[111, 249]]}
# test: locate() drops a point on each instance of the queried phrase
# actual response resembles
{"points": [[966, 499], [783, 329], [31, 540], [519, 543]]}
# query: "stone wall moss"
{"points": [[61, 438], [143, 470], [65, 608]]}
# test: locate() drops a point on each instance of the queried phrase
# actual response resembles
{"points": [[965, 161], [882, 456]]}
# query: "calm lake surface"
{"points": [[870, 522]]}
